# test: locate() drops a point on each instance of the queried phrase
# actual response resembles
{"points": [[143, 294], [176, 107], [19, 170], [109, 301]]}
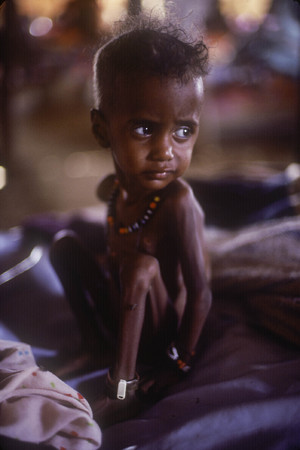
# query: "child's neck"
{"points": [[130, 207], [133, 196]]}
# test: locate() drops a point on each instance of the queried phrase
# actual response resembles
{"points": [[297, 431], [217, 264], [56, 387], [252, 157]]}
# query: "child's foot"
{"points": [[108, 411], [76, 365], [81, 363]]}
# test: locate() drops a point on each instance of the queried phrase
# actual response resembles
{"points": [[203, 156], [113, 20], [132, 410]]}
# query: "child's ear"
{"points": [[99, 128]]}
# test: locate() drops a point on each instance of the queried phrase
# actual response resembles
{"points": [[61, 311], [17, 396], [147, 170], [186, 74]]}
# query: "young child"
{"points": [[149, 297]]}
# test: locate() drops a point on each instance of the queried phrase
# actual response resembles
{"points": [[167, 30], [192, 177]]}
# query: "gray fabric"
{"points": [[244, 391]]}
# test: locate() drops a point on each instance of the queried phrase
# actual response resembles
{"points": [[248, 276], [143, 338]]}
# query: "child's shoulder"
{"points": [[179, 198], [105, 187], [180, 191]]}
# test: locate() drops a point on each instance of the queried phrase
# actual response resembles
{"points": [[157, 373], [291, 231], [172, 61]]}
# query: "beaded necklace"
{"points": [[136, 225]]}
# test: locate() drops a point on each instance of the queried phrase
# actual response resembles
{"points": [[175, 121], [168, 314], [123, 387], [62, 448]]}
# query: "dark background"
{"points": [[48, 154]]}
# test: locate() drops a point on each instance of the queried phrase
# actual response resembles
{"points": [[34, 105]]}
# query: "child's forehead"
{"points": [[143, 84], [136, 95]]}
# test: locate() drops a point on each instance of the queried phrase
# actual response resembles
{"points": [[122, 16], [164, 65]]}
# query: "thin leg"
{"points": [[85, 287], [139, 282]]}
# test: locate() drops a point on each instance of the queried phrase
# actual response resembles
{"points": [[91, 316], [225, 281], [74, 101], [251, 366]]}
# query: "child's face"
{"points": [[153, 129]]}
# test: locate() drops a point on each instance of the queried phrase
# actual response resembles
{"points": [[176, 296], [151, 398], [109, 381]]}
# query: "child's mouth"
{"points": [[160, 175]]}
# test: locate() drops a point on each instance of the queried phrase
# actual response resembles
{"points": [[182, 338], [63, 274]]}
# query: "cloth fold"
{"points": [[259, 266], [36, 406]]}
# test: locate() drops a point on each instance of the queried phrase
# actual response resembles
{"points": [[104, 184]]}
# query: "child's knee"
{"points": [[139, 274]]}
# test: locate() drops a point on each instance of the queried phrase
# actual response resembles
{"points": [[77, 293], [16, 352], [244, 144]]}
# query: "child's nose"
{"points": [[162, 149]]}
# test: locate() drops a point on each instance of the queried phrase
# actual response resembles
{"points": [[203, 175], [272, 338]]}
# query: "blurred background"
{"points": [[49, 160]]}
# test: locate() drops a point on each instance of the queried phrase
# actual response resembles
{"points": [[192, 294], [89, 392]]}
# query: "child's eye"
{"points": [[143, 130], [183, 132]]}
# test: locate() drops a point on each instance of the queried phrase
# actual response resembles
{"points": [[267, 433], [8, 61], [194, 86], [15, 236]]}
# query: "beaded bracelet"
{"points": [[181, 365], [118, 390]]}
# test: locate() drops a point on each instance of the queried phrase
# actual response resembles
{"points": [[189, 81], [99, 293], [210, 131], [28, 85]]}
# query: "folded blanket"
{"points": [[259, 266], [38, 407]]}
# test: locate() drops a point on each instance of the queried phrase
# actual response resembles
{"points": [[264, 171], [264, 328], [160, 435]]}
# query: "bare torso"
{"points": [[157, 239]]}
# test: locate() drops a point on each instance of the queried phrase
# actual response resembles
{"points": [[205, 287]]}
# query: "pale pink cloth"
{"points": [[36, 406]]}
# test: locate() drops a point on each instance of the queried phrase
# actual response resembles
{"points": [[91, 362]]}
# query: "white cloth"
{"points": [[38, 407]]}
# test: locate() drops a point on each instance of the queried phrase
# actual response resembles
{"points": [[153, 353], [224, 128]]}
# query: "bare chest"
{"points": [[144, 240]]}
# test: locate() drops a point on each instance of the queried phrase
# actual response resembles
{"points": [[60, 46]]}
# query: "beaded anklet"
{"points": [[180, 365], [136, 225]]}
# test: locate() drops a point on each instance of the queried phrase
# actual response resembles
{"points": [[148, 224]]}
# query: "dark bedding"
{"points": [[244, 391]]}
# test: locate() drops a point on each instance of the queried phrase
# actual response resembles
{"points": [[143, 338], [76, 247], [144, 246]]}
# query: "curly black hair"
{"points": [[148, 45]]}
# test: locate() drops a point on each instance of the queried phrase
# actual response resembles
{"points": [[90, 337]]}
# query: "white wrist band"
{"points": [[119, 390]]}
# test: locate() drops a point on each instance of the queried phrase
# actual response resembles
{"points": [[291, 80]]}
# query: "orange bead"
{"points": [[181, 364]]}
